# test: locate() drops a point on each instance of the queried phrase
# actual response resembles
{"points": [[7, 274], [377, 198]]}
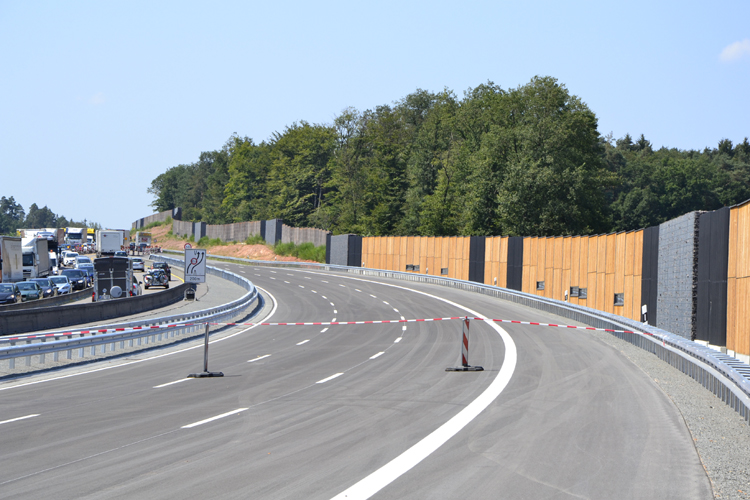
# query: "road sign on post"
{"points": [[195, 266]]}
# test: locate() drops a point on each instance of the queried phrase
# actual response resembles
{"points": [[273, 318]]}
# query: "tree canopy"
{"points": [[523, 161]]}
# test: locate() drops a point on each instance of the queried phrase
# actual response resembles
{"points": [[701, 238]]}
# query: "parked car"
{"points": [[138, 264], [8, 293], [156, 277], [29, 290], [48, 288], [70, 258], [164, 267], [77, 277], [62, 283]]}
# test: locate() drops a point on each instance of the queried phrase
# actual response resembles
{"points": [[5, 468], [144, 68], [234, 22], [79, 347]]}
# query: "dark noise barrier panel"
{"points": [[650, 273], [713, 255], [476, 258], [515, 263]]}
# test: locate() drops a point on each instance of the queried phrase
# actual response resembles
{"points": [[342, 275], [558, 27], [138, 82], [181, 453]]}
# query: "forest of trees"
{"points": [[528, 161], [13, 216]]}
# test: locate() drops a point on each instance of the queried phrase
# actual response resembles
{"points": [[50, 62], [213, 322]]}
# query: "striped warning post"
{"points": [[465, 343], [465, 367]]}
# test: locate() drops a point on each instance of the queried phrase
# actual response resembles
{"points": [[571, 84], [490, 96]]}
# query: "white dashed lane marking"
{"points": [[397, 340], [217, 417], [259, 358], [303, 342], [329, 378], [377, 355], [171, 383], [19, 418]]}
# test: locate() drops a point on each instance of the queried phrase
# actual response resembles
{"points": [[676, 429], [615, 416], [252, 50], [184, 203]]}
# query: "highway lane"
{"points": [[577, 419]]}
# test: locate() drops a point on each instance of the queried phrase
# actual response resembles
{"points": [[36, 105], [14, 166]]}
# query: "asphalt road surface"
{"points": [[355, 411]]}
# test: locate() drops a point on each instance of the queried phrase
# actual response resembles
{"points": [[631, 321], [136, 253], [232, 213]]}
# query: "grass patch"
{"points": [[205, 241], [305, 251], [255, 239]]}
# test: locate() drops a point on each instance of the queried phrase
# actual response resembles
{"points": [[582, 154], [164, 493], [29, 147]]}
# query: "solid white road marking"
{"points": [[377, 355], [329, 378], [303, 342], [217, 417], [394, 469], [171, 383], [18, 418], [397, 340], [259, 358]]}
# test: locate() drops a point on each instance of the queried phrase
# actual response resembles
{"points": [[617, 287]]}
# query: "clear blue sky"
{"points": [[98, 98]]}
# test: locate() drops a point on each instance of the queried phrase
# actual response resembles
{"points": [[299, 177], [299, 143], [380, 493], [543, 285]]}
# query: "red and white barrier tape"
{"points": [[322, 323]]}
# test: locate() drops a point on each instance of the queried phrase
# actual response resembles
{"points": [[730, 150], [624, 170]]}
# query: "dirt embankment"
{"points": [[240, 250]]}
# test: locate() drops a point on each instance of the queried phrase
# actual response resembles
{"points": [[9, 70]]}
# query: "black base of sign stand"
{"points": [[465, 369], [205, 374]]}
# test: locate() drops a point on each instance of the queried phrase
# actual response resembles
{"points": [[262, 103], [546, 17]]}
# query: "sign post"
{"points": [[205, 372]]}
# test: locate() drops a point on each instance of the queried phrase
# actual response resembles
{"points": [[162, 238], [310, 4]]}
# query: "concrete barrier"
{"points": [[49, 302], [36, 319]]}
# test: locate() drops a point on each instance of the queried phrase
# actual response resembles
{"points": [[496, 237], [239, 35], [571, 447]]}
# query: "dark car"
{"points": [[77, 277], [8, 293], [29, 290], [48, 288], [164, 267], [156, 277]]}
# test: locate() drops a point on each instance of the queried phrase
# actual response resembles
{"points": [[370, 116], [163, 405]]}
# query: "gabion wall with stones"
{"points": [[340, 250], [678, 277]]}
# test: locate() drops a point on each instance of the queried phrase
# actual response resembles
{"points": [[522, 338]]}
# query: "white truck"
{"points": [[11, 259], [142, 240], [75, 235], [35, 258], [108, 242]]}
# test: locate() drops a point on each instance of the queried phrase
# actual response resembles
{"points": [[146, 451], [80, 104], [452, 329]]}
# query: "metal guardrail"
{"points": [[133, 333], [725, 376]]}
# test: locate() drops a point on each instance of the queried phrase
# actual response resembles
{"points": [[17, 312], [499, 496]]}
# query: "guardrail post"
{"points": [[205, 372]]}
